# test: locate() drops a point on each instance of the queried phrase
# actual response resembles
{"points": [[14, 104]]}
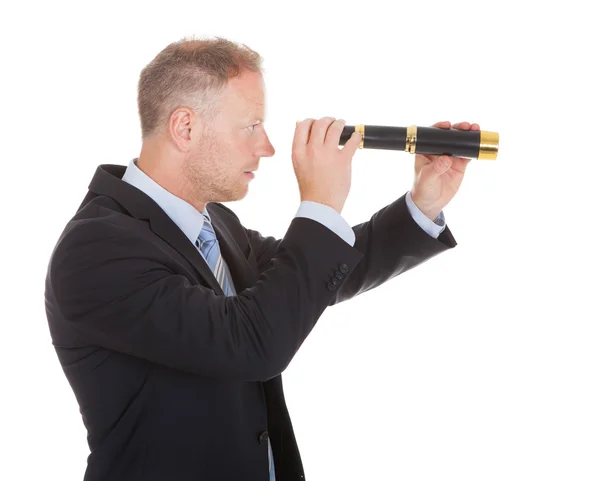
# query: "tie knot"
{"points": [[207, 234]]}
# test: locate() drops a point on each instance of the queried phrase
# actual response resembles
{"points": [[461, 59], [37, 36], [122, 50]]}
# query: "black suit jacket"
{"points": [[174, 380]]}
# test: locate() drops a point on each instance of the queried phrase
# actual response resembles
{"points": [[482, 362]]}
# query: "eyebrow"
{"points": [[252, 116]]}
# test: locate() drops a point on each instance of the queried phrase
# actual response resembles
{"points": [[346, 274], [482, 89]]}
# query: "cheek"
{"points": [[220, 150], [227, 152], [241, 146]]}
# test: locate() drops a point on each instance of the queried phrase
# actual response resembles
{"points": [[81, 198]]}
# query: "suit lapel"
{"points": [[162, 225], [107, 181]]}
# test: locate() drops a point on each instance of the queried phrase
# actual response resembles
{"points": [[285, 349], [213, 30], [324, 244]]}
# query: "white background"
{"points": [[481, 364]]}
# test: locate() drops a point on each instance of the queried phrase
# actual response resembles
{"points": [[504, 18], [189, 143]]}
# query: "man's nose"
{"points": [[266, 148], [270, 150]]}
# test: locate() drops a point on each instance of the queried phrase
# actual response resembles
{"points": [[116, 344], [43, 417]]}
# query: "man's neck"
{"points": [[169, 179]]}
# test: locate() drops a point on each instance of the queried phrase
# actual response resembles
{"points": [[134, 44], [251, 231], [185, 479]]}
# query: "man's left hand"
{"points": [[436, 182]]}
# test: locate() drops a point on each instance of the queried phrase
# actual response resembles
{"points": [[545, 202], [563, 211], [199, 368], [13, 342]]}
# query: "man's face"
{"points": [[232, 144]]}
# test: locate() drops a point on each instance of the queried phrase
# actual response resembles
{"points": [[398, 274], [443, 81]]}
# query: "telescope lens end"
{"points": [[488, 145]]}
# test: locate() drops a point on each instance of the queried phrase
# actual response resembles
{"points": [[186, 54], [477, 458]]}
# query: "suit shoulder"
{"points": [[100, 221], [103, 212]]}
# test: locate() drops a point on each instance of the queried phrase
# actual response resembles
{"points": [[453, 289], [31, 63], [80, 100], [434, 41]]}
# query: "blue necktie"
{"points": [[209, 247]]}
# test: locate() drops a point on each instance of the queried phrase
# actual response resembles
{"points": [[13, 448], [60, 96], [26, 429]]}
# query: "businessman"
{"points": [[171, 320]]}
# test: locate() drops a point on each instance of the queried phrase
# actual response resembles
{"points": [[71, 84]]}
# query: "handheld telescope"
{"points": [[473, 144]]}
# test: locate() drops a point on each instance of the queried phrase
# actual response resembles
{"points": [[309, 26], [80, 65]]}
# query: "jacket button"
{"points": [[344, 268], [263, 438], [334, 281], [330, 286], [338, 274]]}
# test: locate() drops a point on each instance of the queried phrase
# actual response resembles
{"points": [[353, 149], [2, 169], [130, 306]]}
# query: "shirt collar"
{"points": [[183, 214]]}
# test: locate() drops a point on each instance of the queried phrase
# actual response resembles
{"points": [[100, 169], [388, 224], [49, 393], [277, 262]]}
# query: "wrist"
{"points": [[334, 205], [431, 212]]}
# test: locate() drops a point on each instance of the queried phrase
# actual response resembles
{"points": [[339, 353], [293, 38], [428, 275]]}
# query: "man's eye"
{"points": [[251, 127]]}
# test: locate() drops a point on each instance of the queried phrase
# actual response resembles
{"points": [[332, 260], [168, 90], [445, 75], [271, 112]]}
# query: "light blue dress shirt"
{"points": [[190, 221]]}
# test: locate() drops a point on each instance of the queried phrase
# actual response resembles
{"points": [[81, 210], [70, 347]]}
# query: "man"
{"points": [[171, 320]]}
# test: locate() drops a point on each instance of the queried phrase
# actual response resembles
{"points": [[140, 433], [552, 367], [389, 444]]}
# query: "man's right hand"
{"points": [[323, 169]]}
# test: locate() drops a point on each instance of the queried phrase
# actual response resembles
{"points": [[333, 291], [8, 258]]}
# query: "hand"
{"points": [[435, 182], [323, 169]]}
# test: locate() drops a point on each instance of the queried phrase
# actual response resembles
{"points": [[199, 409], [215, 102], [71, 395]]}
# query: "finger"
{"points": [[460, 163], [462, 126], [334, 132], [301, 134], [351, 145], [442, 125], [319, 129], [475, 127]]}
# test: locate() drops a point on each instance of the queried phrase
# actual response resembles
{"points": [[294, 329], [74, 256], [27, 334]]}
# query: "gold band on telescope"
{"points": [[411, 139], [488, 145], [361, 130]]}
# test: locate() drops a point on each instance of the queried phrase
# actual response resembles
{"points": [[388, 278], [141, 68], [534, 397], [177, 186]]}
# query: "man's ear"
{"points": [[182, 121]]}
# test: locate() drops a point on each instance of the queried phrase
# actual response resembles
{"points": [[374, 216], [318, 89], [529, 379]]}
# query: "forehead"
{"points": [[246, 91]]}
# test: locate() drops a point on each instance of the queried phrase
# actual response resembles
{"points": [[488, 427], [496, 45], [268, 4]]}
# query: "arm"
{"points": [[330, 218], [433, 227], [121, 292], [392, 243], [397, 245]]}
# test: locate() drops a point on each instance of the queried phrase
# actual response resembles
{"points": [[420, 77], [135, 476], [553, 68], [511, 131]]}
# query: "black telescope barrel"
{"points": [[378, 137], [457, 143], [429, 140]]}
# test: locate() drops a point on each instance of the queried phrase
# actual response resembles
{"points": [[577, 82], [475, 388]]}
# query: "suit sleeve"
{"points": [[264, 248], [121, 292], [392, 242]]}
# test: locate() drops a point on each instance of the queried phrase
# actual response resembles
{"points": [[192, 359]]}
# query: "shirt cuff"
{"points": [[327, 216], [433, 228]]}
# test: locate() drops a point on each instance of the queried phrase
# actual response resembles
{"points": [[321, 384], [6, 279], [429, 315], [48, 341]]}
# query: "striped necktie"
{"points": [[209, 247]]}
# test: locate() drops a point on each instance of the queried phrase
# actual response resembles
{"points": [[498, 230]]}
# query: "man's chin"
{"points": [[234, 196]]}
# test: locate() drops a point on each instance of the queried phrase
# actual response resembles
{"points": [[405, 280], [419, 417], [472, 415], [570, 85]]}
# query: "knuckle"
{"points": [[338, 124]]}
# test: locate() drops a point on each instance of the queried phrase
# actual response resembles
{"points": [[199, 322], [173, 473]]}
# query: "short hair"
{"points": [[190, 72]]}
